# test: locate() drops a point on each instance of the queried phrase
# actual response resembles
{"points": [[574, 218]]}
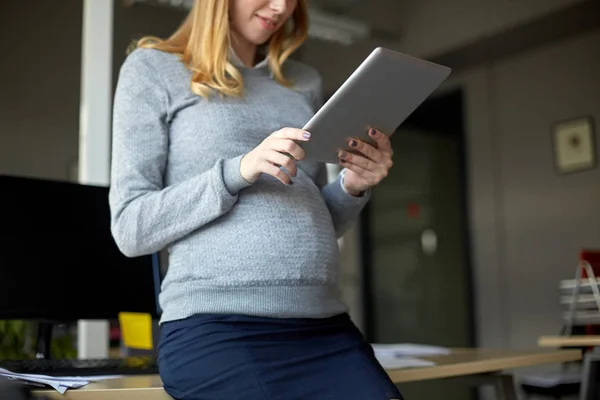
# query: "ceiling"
{"points": [[385, 17]]}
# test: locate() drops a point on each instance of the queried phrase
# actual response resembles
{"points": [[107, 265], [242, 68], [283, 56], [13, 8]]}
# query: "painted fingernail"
{"points": [[342, 154], [372, 132], [306, 135], [353, 143]]}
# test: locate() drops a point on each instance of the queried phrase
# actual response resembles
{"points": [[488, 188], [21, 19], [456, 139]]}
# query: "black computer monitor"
{"points": [[58, 259]]}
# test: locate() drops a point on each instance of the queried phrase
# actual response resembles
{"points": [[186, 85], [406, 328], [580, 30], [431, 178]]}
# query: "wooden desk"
{"points": [[569, 341], [464, 362], [461, 363], [589, 388], [130, 388]]}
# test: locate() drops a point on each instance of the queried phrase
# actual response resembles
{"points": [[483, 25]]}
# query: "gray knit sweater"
{"points": [[263, 249]]}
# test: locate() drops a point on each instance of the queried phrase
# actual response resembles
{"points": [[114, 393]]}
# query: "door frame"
{"points": [[442, 114]]}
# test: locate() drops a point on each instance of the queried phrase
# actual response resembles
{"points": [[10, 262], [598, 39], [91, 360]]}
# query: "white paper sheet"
{"points": [[391, 362], [409, 349], [60, 383], [406, 355]]}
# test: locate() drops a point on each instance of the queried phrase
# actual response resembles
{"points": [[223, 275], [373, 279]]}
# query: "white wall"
{"points": [[39, 95], [528, 222], [40, 77]]}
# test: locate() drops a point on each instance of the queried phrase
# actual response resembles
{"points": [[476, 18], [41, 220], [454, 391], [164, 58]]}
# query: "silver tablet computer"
{"points": [[381, 93]]}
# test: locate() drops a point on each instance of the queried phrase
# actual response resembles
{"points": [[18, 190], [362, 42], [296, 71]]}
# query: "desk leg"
{"points": [[503, 384], [590, 375], [505, 387]]}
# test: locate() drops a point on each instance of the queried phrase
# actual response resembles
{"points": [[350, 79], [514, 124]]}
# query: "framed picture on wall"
{"points": [[574, 145]]}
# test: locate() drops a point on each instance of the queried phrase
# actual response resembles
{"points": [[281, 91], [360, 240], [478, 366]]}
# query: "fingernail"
{"points": [[353, 143], [372, 132], [306, 135], [342, 154]]}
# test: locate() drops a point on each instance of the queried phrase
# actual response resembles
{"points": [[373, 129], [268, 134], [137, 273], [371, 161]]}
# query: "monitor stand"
{"points": [[44, 340]]}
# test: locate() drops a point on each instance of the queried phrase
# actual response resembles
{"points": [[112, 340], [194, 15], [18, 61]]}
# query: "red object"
{"points": [[592, 257], [413, 209], [115, 333]]}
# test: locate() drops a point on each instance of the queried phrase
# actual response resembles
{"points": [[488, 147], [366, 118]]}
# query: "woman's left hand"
{"points": [[368, 168]]}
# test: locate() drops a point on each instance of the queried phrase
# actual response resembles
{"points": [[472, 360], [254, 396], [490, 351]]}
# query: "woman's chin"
{"points": [[262, 37], [260, 40]]}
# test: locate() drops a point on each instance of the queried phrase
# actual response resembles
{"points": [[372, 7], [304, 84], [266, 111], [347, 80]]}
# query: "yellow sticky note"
{"points": [[136, 330]]}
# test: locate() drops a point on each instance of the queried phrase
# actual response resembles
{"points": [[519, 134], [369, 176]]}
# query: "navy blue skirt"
{"points": [[216, 357]]}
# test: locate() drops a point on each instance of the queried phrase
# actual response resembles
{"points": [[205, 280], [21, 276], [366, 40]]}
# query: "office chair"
{"points": [[159, 270]]}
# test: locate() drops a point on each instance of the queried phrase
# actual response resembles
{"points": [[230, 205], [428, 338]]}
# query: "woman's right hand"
{"points": [[278, 150]]}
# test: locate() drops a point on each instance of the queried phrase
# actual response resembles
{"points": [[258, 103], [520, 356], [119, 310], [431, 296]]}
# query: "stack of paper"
{"points": [[410, 349], [389, 362], [60, 384], [406, 355]]}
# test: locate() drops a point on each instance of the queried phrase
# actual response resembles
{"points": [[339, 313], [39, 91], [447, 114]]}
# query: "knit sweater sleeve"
{"points": [[146, 216], [344, 208]]}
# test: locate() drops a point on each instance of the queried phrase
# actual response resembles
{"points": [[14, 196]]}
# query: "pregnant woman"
{"points": [[206, 165]]}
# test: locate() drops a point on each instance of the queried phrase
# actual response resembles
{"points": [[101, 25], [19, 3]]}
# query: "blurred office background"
{"points": [[465, 242]]}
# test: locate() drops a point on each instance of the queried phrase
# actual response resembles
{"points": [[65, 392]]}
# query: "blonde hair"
{"points": [[202, 43]]}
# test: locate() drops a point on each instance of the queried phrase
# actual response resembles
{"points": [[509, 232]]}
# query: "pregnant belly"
{"points": [[272, 237]]}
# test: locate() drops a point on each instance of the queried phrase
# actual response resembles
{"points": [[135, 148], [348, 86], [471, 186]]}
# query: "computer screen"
{"points": [[58, 259]]}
